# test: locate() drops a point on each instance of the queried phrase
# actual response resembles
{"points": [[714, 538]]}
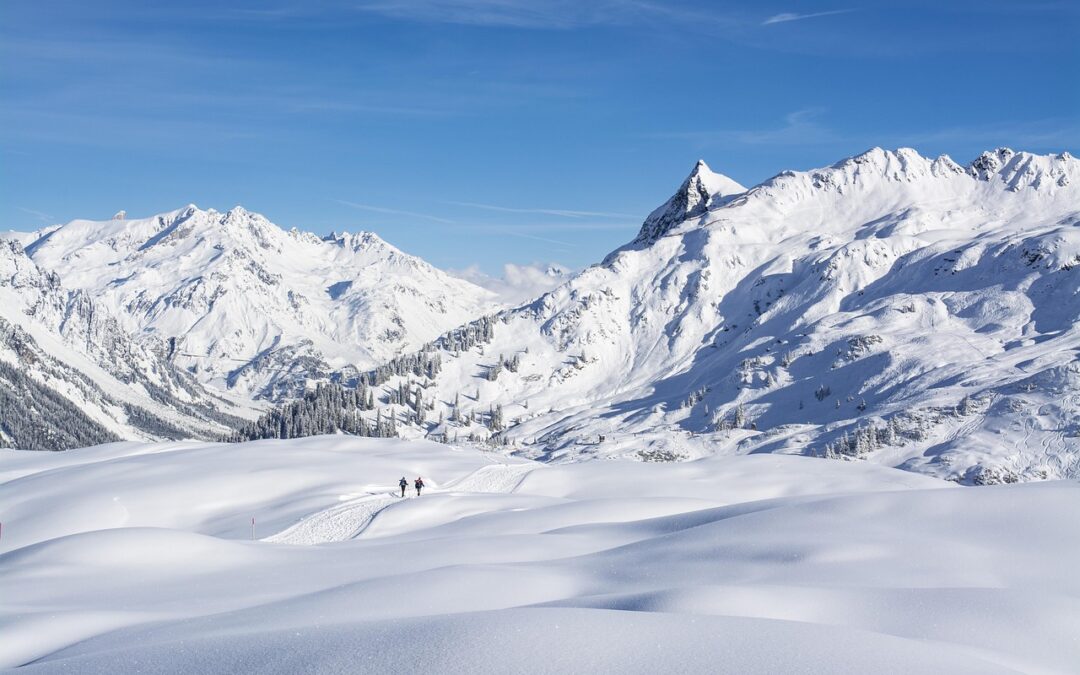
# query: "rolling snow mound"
{"points": [[139, 557]]}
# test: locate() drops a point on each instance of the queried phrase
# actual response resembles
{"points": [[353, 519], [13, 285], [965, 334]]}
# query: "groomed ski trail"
{"points": [[348, 519]]}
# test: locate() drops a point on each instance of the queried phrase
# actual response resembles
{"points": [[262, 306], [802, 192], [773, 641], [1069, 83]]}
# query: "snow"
{"points": [[908, 310], [139, 557], [66, 342], [255, 308], [908, 291]]}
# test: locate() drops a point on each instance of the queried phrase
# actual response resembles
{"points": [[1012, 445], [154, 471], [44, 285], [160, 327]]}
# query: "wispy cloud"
{"points": [[799, 128], [803, 127], [41, 216], [576, 226], [520, 233], [565, 213], [1049, 134], [785, 17], [395, 212], [535, 14], [540, 14], [524, 235]]}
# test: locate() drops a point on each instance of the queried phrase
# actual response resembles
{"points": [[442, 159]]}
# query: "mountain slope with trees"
{"points": [[70, 376], [894, 307]]}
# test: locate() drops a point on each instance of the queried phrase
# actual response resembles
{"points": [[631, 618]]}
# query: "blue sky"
{"points": [[499, 131]]}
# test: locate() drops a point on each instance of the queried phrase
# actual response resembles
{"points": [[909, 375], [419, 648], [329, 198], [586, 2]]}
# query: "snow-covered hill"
{"points": [[70, 376], [895, 307], [139, 558], [253, 308]]}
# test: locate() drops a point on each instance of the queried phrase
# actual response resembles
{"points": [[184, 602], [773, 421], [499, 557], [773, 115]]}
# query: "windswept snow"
{"points": [[138, 557]]}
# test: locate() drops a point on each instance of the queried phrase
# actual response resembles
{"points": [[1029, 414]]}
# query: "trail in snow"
{"points": [[337, 523], [349, 519], [492, 478]]}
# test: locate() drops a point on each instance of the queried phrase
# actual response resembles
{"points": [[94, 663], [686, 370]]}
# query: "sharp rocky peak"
{"points": [[362, 240], [702, 189], [1023, 169]]}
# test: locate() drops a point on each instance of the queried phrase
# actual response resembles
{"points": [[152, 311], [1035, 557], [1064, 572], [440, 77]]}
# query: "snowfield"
{"points": [[139, 558]]}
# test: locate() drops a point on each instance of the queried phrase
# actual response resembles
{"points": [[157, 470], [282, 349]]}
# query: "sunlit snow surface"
{"points": [[887, 290], [255, 308], [139, 558]]}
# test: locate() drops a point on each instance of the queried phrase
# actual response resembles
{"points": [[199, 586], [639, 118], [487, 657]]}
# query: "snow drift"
{"points": [[132, 556]]}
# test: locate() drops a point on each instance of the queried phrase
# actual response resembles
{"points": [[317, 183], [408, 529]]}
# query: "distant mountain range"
{"points": [[255, 309], [908, 310]]}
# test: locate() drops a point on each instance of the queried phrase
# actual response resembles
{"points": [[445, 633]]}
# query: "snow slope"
{"points": [[70, 376], [761, 563], [254, 308], [894, 307]]}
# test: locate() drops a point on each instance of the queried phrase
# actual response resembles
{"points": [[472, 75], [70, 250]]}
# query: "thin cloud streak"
{"points": [[576, 227], [1054, 134], [41, 216], [523, 235], [785, 17], [534, 14], [395, 212], [800, 128], [566, 213]]}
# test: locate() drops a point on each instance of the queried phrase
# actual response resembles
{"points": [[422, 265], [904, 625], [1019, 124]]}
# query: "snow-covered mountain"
{"points": [[255, 309], [906, 309], [70, 376]]}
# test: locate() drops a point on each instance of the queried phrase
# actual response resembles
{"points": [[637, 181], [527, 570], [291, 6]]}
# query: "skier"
{"points": [[403, 484], [419, 483]]}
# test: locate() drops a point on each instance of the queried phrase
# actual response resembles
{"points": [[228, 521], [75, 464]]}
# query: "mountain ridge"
{"points": [[242, 297], [867, 309], [892, 307]]}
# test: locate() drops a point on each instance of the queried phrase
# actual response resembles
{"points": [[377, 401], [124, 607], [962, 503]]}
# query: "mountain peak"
{"points": [[990, 162], [702, 188], [357, 241], [1018, 169]]}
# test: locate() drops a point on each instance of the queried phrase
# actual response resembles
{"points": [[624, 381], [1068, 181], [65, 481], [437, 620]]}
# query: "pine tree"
{"points": [[739, 419]]}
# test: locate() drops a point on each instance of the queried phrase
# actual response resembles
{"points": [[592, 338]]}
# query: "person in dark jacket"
{"points": [[419, 483], [403, 484]]}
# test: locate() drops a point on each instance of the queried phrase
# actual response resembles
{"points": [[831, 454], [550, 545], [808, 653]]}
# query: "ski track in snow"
{"points": [[349, 519]]}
